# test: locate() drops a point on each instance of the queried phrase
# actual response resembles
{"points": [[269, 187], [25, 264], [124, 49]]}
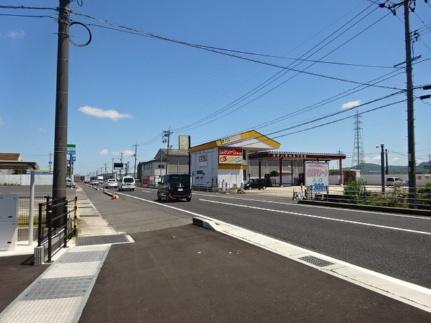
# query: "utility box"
{"points": [[8, 221]]}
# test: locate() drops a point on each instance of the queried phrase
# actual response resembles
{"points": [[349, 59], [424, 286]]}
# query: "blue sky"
{"points": [[151, 85]]}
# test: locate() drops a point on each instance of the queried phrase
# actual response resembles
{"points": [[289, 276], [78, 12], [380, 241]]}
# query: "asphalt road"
{"points": [[395, 245]]}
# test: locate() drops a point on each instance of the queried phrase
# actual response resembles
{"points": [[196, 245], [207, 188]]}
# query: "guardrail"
{"points": [[56, 225]]}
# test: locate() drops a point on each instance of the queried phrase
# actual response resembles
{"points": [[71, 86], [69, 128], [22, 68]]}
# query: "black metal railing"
{"points": [[56, 225]]}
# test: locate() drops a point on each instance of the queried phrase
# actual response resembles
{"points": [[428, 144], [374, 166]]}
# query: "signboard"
{"points": [[203, 160], [183, 142], [231, 140], [71, 152], [118, 165], [71, 146], [317, 175], [230, 156]]}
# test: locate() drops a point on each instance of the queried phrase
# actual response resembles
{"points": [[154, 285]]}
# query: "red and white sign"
{"points": [[230, 155]]}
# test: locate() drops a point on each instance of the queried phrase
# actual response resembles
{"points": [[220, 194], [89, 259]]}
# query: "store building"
{"points": [[176, 161], [230, 162], [223, 163]]}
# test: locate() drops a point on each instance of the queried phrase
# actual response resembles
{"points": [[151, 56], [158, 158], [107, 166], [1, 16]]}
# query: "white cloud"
{"points": [[15, 34], [128, 152], [104, 152], [104, 114], [350, 104]]}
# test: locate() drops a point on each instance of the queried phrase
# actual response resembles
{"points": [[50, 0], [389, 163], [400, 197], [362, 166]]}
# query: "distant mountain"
{"points": [[369, 168]]}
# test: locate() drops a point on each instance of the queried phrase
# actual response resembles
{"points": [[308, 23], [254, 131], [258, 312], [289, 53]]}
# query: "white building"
{"points": [[223, 163]]}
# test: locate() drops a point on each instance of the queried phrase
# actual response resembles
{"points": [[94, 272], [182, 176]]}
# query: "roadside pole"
{"points": [[61, 106], [410, 106], [31, 215], [382, 166]]}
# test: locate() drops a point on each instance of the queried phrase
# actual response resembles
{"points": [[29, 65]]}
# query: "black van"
{"points": [[174, 187]]}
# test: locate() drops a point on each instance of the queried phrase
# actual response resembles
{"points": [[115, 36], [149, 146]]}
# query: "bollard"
{"points": [[38, 255]]}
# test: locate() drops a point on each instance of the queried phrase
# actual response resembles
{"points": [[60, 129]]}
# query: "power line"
{"points": [[279, 74], [27, 7], [340, 119], [27, 16]]}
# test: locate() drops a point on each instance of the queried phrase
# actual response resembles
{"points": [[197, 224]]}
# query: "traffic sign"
{"points": [[71, 152], [71, 146]]}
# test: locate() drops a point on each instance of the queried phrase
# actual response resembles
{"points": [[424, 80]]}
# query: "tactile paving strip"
{"points": [[82, 256], [316, 261], [52, 288], [112, 238]]}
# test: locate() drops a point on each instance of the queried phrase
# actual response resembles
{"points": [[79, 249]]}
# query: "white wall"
{"points": [[24, 179], [204, 172], [229, 178], [375, 179]]}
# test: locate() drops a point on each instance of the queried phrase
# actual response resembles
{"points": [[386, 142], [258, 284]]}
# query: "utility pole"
{"points": [[106, 168], [387, 162], [50, 163], [61, 107], [121, 161], [410, 106], [166, 138], [382, 166], [135, 155]]}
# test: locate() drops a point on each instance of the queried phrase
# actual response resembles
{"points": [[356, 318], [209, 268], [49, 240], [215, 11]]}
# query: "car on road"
{"points": [[127, 183], [255, 183], [111, 183], [394, 181], [174, 187], [70, 183]]}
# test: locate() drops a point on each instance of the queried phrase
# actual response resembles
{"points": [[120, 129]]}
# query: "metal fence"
{"points": [[23, 216], [56, 225]]}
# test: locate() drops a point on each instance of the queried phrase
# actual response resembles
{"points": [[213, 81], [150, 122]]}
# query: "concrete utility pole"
{"points": [[382, 166], [410, 106], [135, 155], [121, 161], [50, 163], [387, 162], [166, 138], [61, 105]]}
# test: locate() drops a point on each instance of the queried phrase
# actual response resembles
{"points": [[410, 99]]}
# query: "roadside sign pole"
{"points": [[61, 105]]}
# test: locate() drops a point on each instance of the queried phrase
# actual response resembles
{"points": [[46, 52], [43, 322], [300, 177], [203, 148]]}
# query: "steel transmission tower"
{"points": [[358, 147]]}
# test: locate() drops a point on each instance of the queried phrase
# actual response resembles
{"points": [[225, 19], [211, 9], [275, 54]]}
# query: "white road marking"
{"points": [[315, 206], [412, 294], [146, 191], [318, 217]]}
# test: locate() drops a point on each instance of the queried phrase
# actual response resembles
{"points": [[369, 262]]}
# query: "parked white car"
{"points": [[394, 181], [111, 183], [127, 184]]}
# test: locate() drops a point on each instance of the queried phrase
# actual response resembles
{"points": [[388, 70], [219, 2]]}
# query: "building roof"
{"points": [[10, 156], [274, 154], [172, 153], [18, 165], [248, 139]]}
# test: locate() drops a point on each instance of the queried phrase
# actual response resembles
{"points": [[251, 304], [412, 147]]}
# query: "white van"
{"points": [[127, 184]]}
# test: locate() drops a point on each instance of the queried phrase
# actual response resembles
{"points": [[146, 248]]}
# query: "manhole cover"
{"points": [[316, 261]]}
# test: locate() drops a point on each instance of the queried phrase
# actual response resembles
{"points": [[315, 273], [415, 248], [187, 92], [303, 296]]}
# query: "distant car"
{"points": [[111, 183], [394, 181], [127, 183], [255, 183], [70, 183], [174, 187], [94, 182]]}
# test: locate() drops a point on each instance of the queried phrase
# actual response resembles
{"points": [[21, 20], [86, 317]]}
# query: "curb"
{"points": [[368, 207]]}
